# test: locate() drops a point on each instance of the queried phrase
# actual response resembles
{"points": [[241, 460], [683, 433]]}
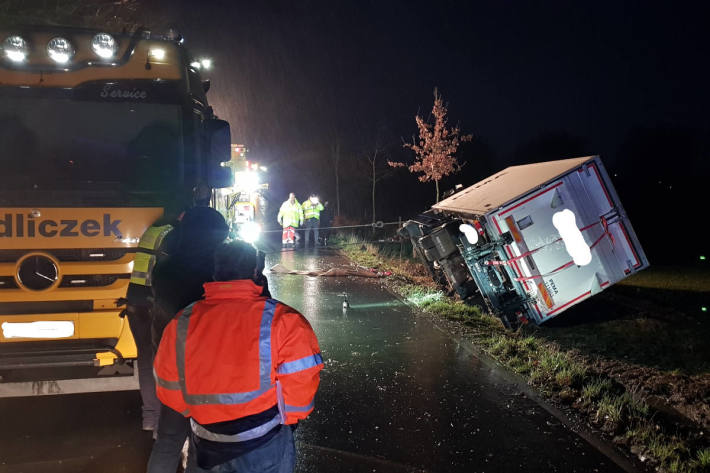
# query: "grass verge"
{"points": [[578, 378]]}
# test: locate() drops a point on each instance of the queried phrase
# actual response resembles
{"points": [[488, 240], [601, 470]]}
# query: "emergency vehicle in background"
{"points": [[530, 241], [244, 204], [100, 134]]}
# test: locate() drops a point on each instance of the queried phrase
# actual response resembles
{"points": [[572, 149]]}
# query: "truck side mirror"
{"points": [[219, 141]]}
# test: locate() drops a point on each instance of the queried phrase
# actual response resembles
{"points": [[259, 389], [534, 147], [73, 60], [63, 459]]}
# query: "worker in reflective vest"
{"points": [[146, 254], [138, 309], [311, 214], [290, 218], [242, 366]]}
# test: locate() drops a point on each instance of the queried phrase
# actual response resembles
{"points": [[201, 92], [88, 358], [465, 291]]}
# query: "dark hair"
{"points": [[201, 229], [236, 260]]}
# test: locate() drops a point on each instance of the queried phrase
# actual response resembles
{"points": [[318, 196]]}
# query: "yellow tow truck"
{"points": [[100, 135]]}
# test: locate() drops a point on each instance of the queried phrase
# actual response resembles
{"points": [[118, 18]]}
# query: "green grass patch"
{"points": [[572, 376], [594, 389], [611, 410], [702, 459]]}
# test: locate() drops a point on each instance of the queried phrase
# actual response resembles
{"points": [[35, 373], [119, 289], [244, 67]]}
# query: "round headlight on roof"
{"points": [[15, 48], [60, 50], [104, 45]]}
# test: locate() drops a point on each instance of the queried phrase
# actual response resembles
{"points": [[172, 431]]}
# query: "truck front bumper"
{"points": [[95, 338]]}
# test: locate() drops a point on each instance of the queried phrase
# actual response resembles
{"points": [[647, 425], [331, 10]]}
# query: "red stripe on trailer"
{"points": [[531, 198], [588, 293], [596, 171], [605, 283], [628, 240]]}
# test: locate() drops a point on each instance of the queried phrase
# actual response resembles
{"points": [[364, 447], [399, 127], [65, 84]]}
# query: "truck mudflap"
{"points": [[563, 239]]}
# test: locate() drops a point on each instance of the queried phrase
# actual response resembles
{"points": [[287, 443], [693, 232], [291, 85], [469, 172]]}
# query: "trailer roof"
{"points": [[507, 185]]}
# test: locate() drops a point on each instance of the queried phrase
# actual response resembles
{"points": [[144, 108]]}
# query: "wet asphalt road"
{"points": [[397, 395]]}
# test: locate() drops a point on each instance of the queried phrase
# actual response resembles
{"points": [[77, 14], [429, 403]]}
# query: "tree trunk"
{"points": [[336, 162], [437, 191], [374, 181]]}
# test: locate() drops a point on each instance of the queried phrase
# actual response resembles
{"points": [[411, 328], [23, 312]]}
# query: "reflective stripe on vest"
{"points": [[163, 383], [305, 408], [251, 434], [265, 385], [300, 365], [145, 259], [311, 211], [151, 239]]}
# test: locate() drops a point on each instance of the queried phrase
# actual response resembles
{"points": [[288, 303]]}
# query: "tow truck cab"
{"points": [[101, 134]]}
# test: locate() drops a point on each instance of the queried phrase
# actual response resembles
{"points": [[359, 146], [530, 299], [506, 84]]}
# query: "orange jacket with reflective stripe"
{"points": [[235, 354]]}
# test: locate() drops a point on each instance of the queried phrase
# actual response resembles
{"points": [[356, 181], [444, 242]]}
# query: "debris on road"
{"points": [[332, 272]]}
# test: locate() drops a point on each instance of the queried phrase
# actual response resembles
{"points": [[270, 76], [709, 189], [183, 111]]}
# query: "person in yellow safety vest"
{"points": [[153, 245], [311, 214], [290, 218]]}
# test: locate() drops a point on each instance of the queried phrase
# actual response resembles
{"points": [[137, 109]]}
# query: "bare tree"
{"points": [[378, 171], [436, 147], [335, 156]]}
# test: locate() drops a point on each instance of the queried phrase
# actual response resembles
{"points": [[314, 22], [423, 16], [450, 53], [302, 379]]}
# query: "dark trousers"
{"points": [[139, 319], [278, 455], [173, 430], [312, 224]]}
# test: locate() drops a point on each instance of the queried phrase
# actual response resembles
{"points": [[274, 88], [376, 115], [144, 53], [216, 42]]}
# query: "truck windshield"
{"points": [[63, 144]]}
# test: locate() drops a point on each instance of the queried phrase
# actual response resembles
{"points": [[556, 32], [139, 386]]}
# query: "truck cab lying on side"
{"points": [[530, 241]]}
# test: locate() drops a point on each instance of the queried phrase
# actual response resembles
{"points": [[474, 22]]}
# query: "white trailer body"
{"points": [[522, 251]]}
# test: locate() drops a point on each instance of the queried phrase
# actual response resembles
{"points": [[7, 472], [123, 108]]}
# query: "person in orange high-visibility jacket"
{"points": [[242, 366]]}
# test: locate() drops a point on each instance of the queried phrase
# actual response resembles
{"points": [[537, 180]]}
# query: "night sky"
{"points": [[532, 81]]}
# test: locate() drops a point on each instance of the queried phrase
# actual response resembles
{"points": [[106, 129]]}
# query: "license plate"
{"points": [[40, 329]]}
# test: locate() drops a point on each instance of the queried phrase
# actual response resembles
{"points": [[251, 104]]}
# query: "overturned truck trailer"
{"points": [[532, 240]]}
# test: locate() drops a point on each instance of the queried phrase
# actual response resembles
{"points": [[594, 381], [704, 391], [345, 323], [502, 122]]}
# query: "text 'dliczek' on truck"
{"points": [[532, 240], [99, 135]]}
